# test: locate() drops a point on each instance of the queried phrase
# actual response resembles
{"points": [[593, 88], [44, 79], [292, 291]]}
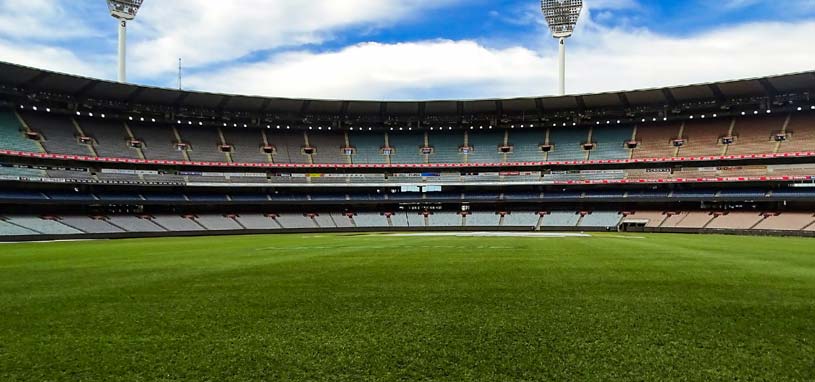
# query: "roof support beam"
{"points": [[669, 97], [36, 80], [624, 100], [768, 87], [133, 96], [85, 89], [304, 107], [718, 93]]}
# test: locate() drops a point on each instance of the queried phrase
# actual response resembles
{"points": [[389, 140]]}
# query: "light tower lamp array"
{"points": [[123, 11], [562, 16]]}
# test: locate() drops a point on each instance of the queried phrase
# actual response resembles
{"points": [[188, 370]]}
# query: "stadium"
{"points": [[165, 234]]}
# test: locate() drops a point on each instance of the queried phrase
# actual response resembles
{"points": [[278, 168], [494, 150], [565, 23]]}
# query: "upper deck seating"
{"points": [[568, 143], [446, 147], [368, 148], [485, 147], [329, 148], [526, 145], [655, 141], [60, 135], [611, 143], [204, 143], [407, 147], [12, 134], [111, 138], [246, 145], [704, 137]]}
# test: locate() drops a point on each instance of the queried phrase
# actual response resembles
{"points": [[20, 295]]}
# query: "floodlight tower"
{"points": [[562, 16], [123, 11]]}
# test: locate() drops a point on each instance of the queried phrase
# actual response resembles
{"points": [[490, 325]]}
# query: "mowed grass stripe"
{"points": [[667, 307]]}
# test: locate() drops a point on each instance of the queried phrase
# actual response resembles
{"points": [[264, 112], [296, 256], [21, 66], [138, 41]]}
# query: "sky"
{"points": [[412, 49]]}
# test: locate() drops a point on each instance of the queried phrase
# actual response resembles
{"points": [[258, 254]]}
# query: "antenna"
{"points": [[562, 16], [123, 11], [179, 73]]}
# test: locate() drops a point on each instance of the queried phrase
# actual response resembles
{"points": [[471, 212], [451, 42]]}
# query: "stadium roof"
{"points": [[37, 80]]}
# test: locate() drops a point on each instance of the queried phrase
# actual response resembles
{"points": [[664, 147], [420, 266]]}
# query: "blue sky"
{"points": [[413, 49]]}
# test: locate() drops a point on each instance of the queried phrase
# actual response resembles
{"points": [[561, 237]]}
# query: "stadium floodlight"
{"points": [[123, 11], [562, 16]]}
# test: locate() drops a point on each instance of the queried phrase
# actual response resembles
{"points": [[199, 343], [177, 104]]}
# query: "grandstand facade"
{"points": [[81, 157]]}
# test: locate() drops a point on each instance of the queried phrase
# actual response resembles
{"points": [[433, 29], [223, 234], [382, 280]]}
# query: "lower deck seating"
{"points": [[88, 224], [370, 219], [521, 219], [257, 221], [295, 221], [342, 221], [9, 229], [217, 223], [445, 219], [26, 225], [792, 221], [42, 226], [134, 224], [482, 219], [736, 220], [325, 221], [601, 219], [177, 223], [560, 219]]}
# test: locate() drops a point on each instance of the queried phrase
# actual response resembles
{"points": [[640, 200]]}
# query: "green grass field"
{"points": [[384, 308]]}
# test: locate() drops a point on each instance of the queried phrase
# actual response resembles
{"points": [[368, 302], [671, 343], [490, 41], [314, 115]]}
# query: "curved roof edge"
{"points": [[33, 79]]}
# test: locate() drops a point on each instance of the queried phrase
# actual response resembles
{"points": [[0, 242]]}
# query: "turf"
{"points": [[382, 308]]}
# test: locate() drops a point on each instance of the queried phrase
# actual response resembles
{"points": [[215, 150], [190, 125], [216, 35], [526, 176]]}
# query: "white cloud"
{"points": [[374, 70], [40, 19], [208, 32], [54, 58], [600, 60]]}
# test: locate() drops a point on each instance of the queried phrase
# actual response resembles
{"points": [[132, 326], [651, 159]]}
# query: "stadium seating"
{"points": [[736, 220], [217, 222], [204, 144], [560, 219], [695, 220], [9, 229], [482, 219], [158, 142], [611, 143], [296, 221], [485, 147], [329, 148], [444, 219], [41, 226], [704, 137], [177, 223], [134, 224], [257, 221], [787, 221], [12, 135], [601, 219], [110, 138], [289, 147], [655, 141], [526, 145], [325, 220], [756, 135], [801, 134], [246, 145], [654, 219], [568, 144], [59, 133], [368, 148], [521, 219], [88, 224], [446, 147]]}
